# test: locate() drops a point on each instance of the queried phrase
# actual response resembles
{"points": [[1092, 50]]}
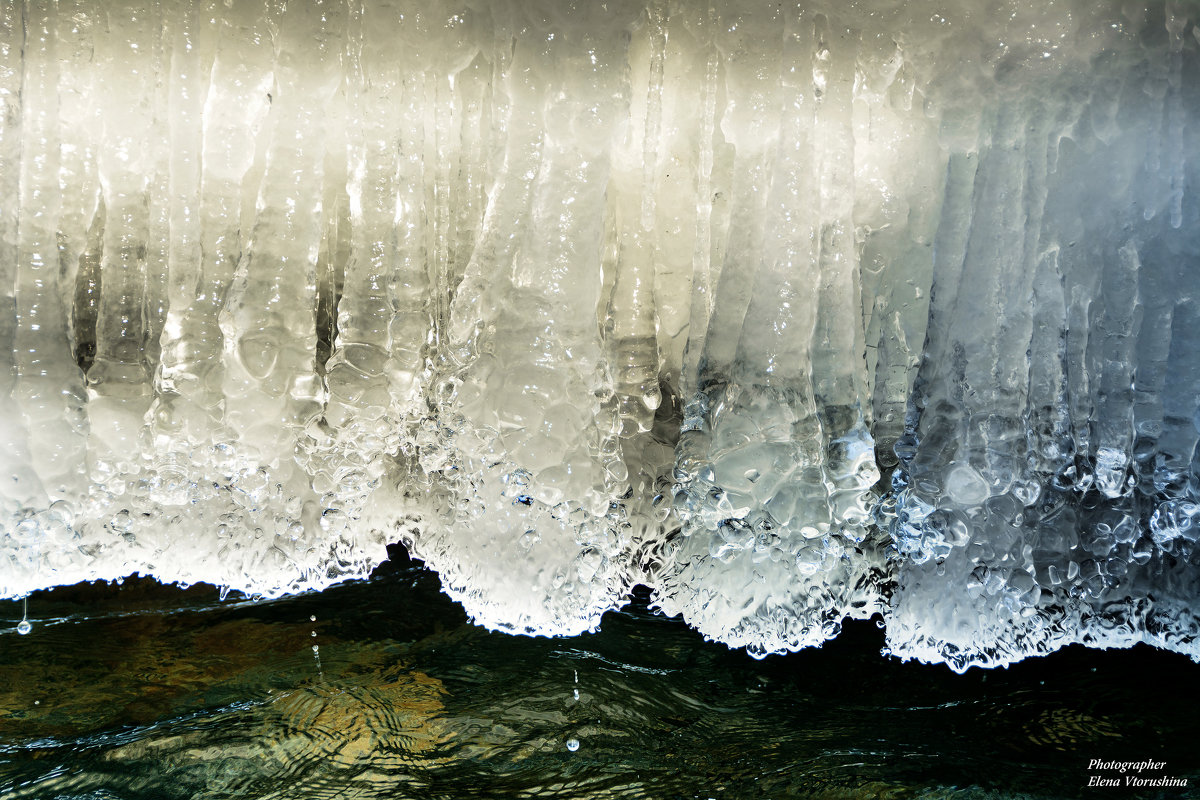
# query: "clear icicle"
{"points": [[49, 387]]}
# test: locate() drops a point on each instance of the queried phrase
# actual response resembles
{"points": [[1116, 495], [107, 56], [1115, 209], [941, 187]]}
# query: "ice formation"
{"points": [[792, 312]]}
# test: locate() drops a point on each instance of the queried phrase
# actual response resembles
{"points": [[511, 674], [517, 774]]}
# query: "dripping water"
{"points": [[24, 627], [316, 649]]}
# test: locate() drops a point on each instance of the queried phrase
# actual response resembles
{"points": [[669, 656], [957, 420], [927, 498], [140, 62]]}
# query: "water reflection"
{"points": [[383, 690]]}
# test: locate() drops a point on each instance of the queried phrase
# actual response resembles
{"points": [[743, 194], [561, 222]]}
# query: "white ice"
{"points": [[792, 312]]}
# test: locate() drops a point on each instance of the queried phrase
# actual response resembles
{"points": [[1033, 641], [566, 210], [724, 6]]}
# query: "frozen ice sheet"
{"points": [[792, 312]]}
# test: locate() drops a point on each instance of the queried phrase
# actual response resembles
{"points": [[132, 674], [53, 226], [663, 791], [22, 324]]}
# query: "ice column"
{"points": [[1046, 490], [529, 441], [775, 462]]}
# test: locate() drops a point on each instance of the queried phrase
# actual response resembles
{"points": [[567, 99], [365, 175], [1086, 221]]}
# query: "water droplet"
{"points": [[23, 627], [572, 745], [312, 618]]}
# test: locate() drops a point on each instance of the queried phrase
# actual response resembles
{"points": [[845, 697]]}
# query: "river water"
{"points": [[383, 689]]}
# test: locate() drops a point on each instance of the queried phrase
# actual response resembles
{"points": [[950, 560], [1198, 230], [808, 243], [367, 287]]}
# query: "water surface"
{"points": [[383, 689]]}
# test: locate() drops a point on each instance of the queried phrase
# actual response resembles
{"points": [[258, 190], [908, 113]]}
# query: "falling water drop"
{"points": [[23, 627], [316, 648]]}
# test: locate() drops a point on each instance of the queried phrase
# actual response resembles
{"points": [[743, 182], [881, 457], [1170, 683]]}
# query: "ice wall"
{"points": [[793, 312]]}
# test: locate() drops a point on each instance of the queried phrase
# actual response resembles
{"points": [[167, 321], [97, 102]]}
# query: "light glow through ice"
{"points": [[792, 312]]}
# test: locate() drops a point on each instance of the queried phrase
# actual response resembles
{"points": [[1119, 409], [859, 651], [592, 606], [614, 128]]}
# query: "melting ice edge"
{"points": [[792, 312]]}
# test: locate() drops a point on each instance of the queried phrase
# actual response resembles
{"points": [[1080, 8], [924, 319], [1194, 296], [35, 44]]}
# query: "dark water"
{"points": [[143, 691]]}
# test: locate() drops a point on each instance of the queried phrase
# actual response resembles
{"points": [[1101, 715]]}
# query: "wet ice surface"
{"points": [[794, 314], [141, 692]]}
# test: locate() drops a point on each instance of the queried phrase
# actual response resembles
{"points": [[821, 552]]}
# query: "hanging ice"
{"points": [[792, 312]]}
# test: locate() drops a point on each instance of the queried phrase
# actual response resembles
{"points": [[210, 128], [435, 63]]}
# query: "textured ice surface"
{"points": [[793, 312]]}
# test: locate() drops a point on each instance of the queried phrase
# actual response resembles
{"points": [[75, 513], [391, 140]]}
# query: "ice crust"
{"points": [[792, 312]]}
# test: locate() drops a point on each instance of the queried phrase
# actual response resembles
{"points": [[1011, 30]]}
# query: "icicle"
{"points": [[1153, 364], [413, 306], [630, 324], [1177, 22], [49, 388], [755, 498], [24, 489], [80, 122], [441, 157], [271, 387], [1049, 443], [704, 272], [1180, 398], [924, 446], [175, 241], [230, 69], [1112, 363], [531, 435], [118, 380], [156, 292], [837, 363], [355, 374], [384, 322]]}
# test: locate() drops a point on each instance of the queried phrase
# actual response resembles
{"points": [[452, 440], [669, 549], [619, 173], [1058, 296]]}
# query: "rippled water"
{"points": [[383, 689]]}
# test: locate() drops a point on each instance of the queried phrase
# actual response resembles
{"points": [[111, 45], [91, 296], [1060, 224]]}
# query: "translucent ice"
{"points": [[793, 313]]}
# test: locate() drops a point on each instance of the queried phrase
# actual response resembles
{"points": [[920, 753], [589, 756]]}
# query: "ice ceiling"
{"points": [[792, 312]]}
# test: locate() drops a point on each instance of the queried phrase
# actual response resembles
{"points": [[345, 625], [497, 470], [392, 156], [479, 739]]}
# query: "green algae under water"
{"points": [[382, 689]]}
